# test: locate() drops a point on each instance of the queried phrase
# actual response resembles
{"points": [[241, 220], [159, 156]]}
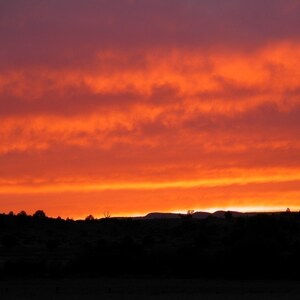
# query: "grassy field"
{"points": [[148, 289]]}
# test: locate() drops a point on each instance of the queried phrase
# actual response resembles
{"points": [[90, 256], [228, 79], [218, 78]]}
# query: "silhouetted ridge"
{"points": [[158, 215], [222, 213], [200, 215], [195, 215]]}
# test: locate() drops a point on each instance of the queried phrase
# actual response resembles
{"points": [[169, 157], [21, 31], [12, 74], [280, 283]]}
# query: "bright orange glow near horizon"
{"points": [[134, 106]]}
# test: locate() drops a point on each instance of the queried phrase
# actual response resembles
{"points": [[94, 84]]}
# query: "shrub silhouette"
{"points": [[22, 217], [22, 213], [90, 218], [107, 214], [39, 214]]}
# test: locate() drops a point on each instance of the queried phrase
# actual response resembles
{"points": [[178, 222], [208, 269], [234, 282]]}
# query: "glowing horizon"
{"points": [[259, 209]]}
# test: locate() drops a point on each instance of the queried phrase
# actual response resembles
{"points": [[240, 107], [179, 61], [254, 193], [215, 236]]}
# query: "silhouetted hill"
{"points": [[221, 213], [195, 215], [158, 215], [201, 215]]}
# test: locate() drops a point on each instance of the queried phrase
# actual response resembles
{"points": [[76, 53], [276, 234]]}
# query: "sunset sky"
{"points": [[133, 106]]}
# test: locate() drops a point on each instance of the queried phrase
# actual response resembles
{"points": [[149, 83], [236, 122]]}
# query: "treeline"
{"points": [[259, 246]]}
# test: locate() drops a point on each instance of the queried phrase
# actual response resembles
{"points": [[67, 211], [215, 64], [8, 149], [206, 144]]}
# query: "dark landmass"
{"points": [[223, 245], [196, 215]]}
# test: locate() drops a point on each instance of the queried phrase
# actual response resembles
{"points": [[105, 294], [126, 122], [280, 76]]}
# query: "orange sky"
{"points": [[138, 106]]}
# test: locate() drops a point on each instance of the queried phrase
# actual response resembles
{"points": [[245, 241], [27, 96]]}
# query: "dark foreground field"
{"points": [[149, 289], [263, 246], [221, 256]]}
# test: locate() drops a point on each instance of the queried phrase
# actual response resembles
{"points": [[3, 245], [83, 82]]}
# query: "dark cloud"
{"points": [[65, 32]]}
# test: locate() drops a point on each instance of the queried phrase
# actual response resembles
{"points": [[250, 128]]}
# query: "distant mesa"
{"points": [[201, 215], [221, 213], [158, 215], [195, 215]]}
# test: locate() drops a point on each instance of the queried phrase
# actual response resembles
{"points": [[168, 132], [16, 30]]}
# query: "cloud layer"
{"points": [[148, 105]]}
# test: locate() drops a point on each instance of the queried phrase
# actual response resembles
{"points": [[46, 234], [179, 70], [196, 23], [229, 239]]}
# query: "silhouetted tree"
{"points": [[90, 218], [39, 214], [190, 213], [107, 214], [22, 213], [22, 217]]}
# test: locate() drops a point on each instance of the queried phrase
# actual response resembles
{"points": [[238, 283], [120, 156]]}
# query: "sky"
{"points": [[135, 106]]}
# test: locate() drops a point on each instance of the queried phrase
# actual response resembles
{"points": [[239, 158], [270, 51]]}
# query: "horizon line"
{"points": [[245, 210]]}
